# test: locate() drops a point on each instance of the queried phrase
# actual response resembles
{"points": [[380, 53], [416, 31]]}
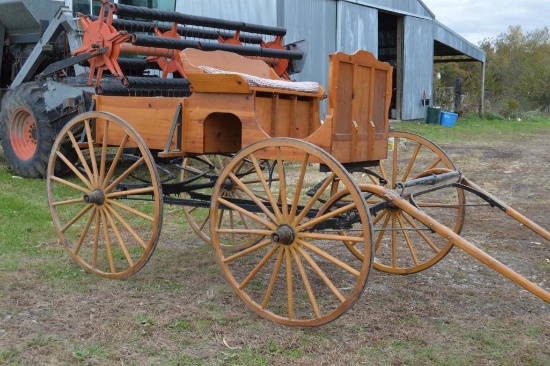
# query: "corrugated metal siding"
{"points": [[256, 11], [315, 22], [357, 28], [418, 50]]}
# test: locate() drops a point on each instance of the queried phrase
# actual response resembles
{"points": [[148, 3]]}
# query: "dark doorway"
{"points": [[390, 40]]}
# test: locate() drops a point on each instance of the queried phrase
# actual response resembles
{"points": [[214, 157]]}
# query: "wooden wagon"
{"points": [[298, 210]]}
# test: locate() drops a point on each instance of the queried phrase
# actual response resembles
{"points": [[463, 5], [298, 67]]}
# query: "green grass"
{"points": [[470, 128]]}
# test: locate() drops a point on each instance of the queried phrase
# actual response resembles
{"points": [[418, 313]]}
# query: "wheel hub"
{"points": [[96, 197], [23, 134], [227, 185], [284, 235]]}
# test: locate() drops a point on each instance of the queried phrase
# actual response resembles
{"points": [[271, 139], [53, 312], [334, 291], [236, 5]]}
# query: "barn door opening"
{"points": [[390, 50]]}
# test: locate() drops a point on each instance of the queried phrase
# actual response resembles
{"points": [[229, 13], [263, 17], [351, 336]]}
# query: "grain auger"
{"points": [[297, 211]]}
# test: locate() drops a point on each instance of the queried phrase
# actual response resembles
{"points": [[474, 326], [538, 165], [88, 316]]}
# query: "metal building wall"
{"points": [[418, 50], [315, 22], [357, 28], [252, 11]]}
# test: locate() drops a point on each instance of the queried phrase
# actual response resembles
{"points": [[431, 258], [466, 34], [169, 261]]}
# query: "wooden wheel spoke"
{"points": [[394, 242], [247, 251], [115, 161], [107, 237], [130, 192], [411, 163], [97, 230], [81, 158], [254, 197], [299, 185], [265, 186], [259, 266], [333, 237], [314, 198], [70, 184], [119, 238], [326, 216], [128, 228], [85, 230], [282, 184], [103, 161], [245, 231], [131, 210], [395, 163], [435, 163], [68, 202], [91, 150], [125, 174], [289, 283], [204, 222], [273, 279], [382, 231], [377, 219], [408, 240], [422, 234], [306, 282], [321, 274], [247, 213], [76, 218], [71, 166], [329, 257]]}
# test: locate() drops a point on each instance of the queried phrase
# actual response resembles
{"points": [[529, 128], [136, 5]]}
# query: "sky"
{"points": [[476, 20]]}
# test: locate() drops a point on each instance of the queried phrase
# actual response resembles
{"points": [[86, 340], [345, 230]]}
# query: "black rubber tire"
{"points": [[27, 97]]}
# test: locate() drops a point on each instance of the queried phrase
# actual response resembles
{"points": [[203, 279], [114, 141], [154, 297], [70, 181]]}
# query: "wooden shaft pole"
{"points": [[511, 212], [463, 243]]}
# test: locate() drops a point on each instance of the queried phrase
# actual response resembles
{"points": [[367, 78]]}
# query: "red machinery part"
{"points": [[101, 34]]}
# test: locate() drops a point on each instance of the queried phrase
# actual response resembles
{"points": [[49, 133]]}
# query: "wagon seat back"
{"points": [[237, 101], [359, 96]]}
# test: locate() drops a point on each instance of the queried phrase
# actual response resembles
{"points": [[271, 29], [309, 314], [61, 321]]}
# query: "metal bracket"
{"points": [[176, 127]]}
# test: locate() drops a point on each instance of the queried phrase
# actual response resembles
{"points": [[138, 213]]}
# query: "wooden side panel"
{"points": [[152, 117], [211, 117], [359, 99]]}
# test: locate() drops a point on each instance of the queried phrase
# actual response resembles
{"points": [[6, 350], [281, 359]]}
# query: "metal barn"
{"points": [[401, 32]]}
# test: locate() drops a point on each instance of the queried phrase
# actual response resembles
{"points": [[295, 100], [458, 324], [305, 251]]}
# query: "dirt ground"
{"points": [[179, 310]]}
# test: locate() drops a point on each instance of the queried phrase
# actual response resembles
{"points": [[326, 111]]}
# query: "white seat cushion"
{"points": [[300, 86]]}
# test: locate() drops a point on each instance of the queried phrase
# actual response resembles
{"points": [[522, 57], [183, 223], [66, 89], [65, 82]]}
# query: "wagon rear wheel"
{"points": [[108, 214], [301, 272], [402, 245]]}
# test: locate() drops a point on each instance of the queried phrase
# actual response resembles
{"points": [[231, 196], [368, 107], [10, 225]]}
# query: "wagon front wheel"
{"points": [[108, 213], [301, 272]]}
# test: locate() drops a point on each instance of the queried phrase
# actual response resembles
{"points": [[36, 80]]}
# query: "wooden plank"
{"points": [[152, 117]]}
